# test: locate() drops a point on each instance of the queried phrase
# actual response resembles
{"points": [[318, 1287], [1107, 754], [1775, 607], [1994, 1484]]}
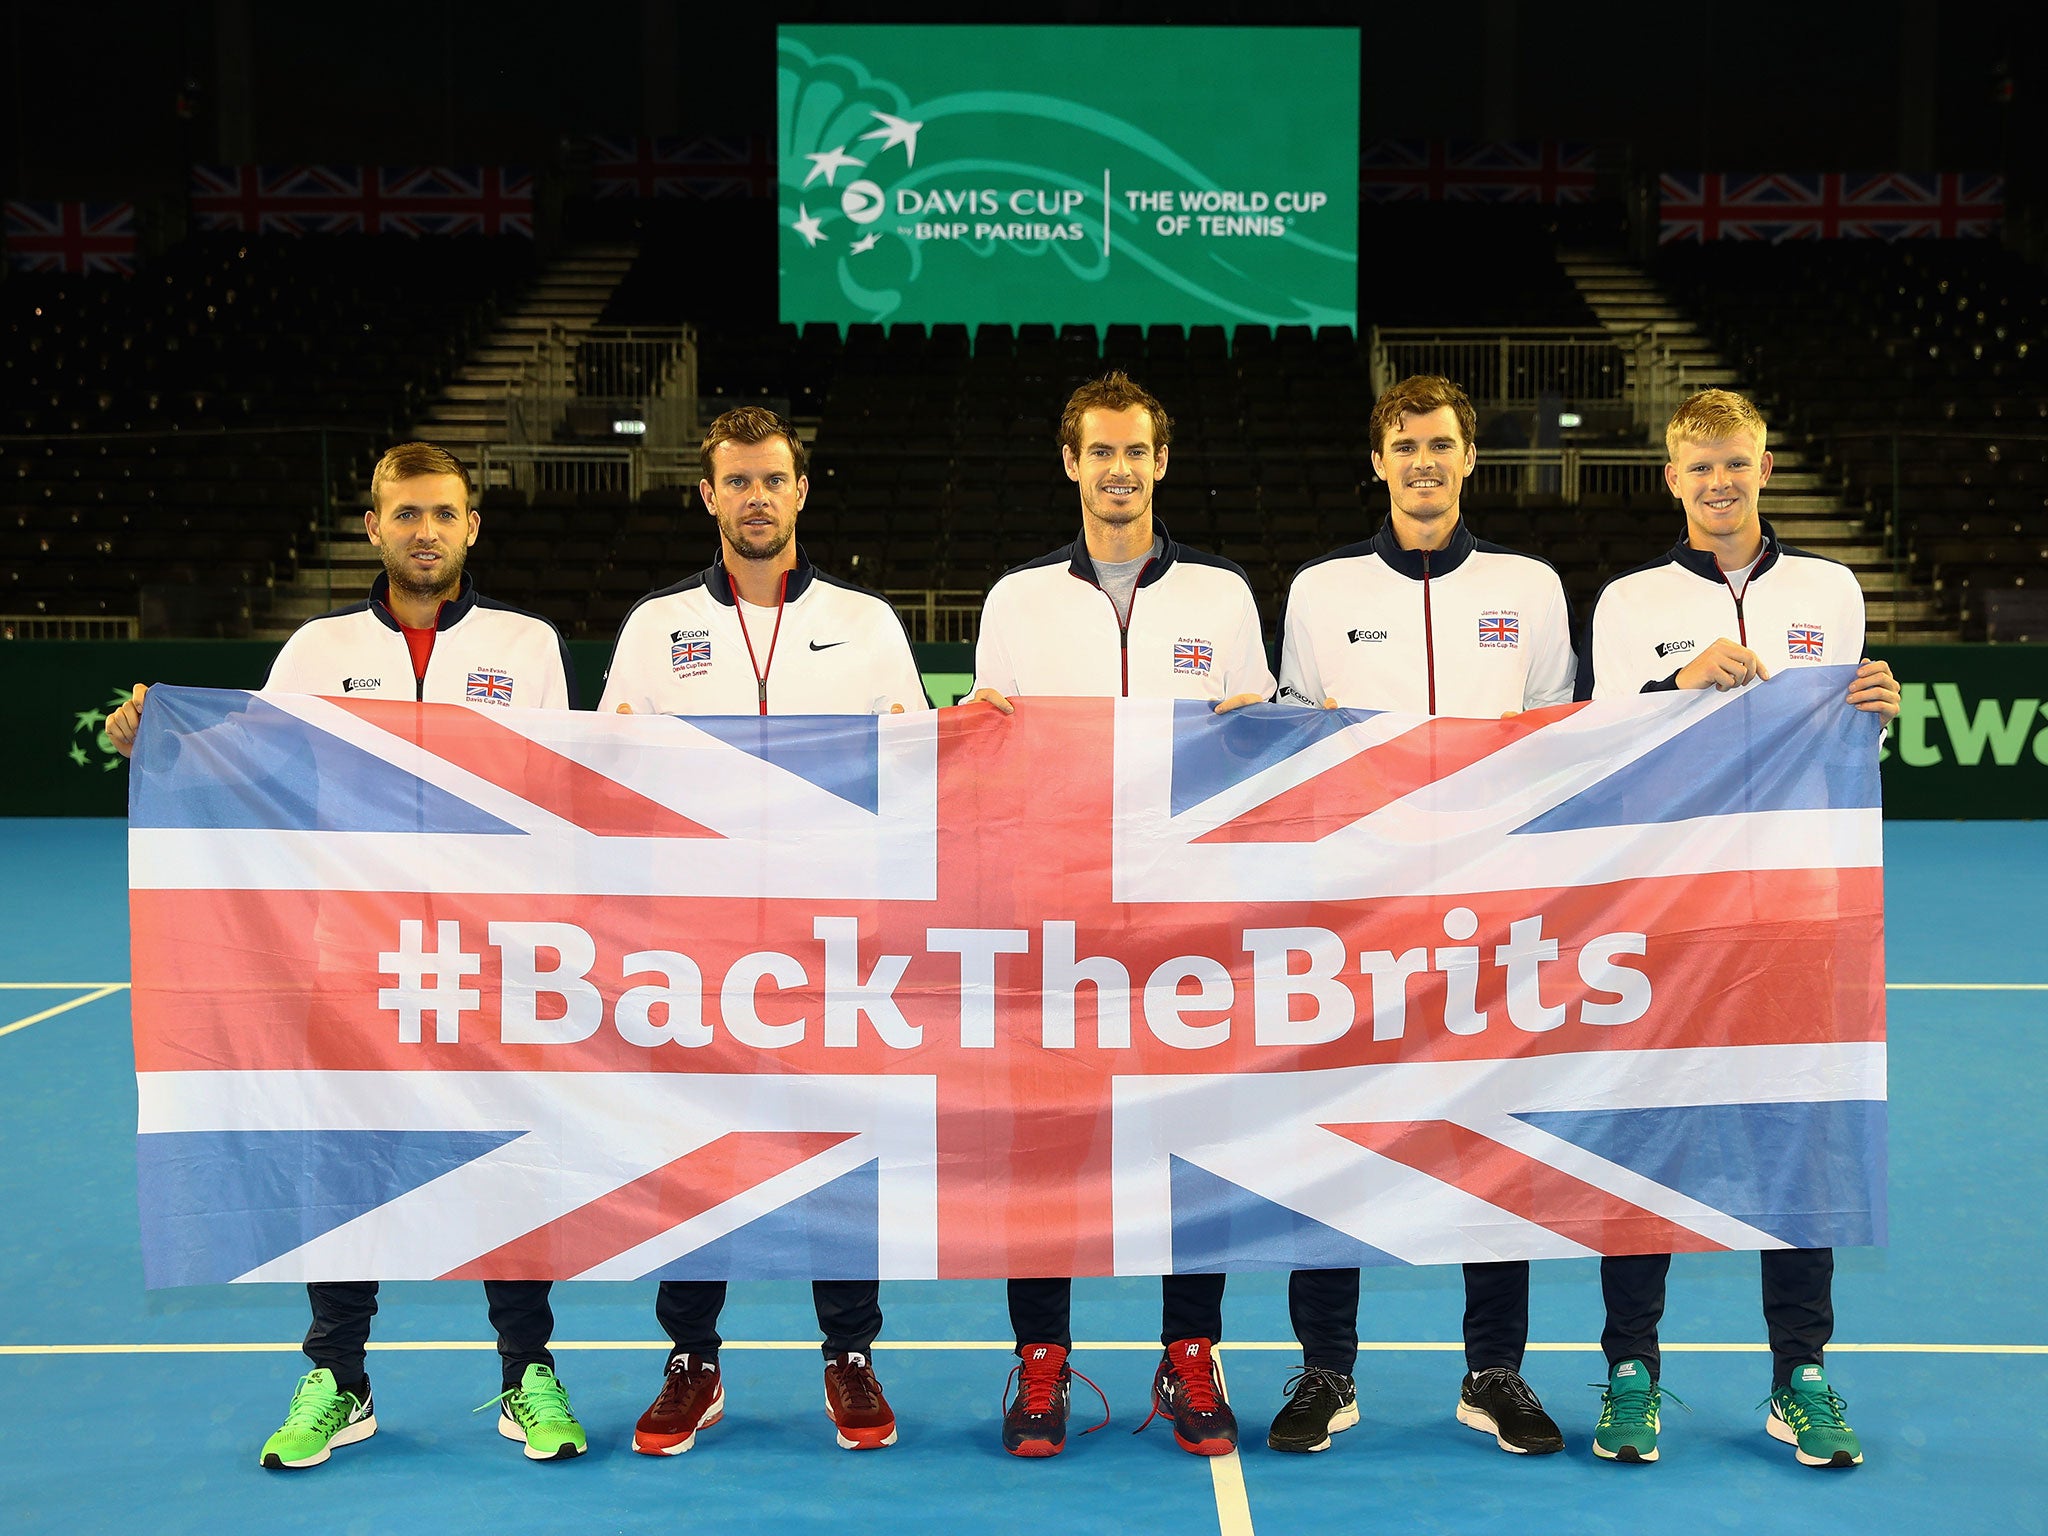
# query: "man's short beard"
{"points": [[771, 552], [401, 576]]}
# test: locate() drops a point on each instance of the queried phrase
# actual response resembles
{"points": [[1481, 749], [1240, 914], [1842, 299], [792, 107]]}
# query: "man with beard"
{"points": [[426, 634], [761, 630], [1124, 611]]}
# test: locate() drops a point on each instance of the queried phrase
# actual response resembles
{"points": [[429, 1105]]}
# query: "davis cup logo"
{"points": [[862, 202]]}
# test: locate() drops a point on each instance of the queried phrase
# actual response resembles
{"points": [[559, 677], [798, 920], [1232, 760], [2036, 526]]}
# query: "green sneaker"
{"points": [[321, 1417], [536, 1413], [1627, 1430], [1807, 1415]]}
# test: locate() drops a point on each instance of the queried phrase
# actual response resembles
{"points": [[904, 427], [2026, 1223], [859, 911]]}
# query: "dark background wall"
{"points": [[113, 99]]}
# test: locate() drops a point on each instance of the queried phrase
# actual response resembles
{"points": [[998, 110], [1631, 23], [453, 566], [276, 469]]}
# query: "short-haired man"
{"points": [[1423, 618], [1727, 606], [1123, 611], [761, 631], [425, 633]]}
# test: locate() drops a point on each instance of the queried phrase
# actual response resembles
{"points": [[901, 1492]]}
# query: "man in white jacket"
{"points": [[1423, 618], [425, 633], [1123, 611]]}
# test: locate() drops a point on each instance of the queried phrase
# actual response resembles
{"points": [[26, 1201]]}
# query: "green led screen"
{"points": [[1068, 175]]}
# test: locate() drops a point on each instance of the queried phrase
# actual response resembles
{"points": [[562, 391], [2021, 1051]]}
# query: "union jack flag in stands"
{"points": [[457, 991], [1805, 640], [1832, 205], [1462, 171], [671, 167], [489, 687], [71, 237], [355, 199]]}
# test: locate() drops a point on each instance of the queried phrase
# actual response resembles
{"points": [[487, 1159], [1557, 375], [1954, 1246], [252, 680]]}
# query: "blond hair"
{"points": [[1712, 416], [408, 461]]}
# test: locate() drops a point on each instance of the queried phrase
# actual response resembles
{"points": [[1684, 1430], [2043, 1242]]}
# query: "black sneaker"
{"points": [[1319, 1404], [1499, 1402]]}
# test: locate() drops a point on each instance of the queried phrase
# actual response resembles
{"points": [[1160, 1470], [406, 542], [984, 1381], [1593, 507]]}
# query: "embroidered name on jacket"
{"points": [[689, 652], [1500, 631], [489, 686], [1806, 641]]}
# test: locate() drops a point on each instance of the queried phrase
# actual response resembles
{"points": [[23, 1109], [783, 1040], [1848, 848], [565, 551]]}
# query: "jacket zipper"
{"points": [[1428, 635]]}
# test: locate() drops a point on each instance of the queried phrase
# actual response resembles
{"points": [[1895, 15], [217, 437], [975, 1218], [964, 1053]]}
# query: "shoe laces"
{"points": [[1826, 1408], [314, 1406], [1038, 1383], [682, 1373], [538, 1399], [1511, 1386], [1191, 1379], [856, 1379], [1315, 1378], [1634, 1407]]}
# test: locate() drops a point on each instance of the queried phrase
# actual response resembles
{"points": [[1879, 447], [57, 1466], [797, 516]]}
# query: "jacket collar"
{"points": [[1080, 563], [1409, 562], [452, 612], [1701, 562], [720, 584]]}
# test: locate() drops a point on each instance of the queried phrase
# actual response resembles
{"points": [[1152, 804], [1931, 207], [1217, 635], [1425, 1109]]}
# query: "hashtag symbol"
{"points": [[411, 964]]}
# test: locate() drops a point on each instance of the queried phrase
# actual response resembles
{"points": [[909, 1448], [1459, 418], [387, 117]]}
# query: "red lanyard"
{"points": [[761, 672]]}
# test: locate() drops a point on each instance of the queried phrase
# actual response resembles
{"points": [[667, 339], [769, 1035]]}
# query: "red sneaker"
{"points": [[860, 1414], [1187, 1391], [691, 1399]]}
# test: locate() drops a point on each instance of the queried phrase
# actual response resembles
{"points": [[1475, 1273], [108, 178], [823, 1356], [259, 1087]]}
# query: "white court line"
{"points": [[106, 990], [58, 986], [1966, 986], [986, 1346], [1226, 1476]]}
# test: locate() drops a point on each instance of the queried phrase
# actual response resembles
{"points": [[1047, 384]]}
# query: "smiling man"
{"points": [[1423, 618], [1727, 607], [1123, 611], [762, 631], [425, 634]]}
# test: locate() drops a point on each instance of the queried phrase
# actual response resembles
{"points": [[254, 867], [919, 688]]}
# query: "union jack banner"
{"points": [[489, 687], [1830, 205], [357, 199], [1107, 987], [1461, 171], [670, 167], [1805, 640], [70, 237]]}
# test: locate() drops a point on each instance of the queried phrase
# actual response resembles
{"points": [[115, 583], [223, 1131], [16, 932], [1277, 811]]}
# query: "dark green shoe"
{"points": [[1807, 1415], [1627, 1430]]}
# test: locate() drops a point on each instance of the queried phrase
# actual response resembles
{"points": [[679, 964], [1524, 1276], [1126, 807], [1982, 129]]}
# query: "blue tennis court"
{"points": [[129, 1409]]}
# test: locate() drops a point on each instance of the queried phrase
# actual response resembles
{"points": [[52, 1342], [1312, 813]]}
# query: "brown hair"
{"points": [[1114, 391], [409, 460], [751, 424], [1418, 395], [1711, 416]]}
